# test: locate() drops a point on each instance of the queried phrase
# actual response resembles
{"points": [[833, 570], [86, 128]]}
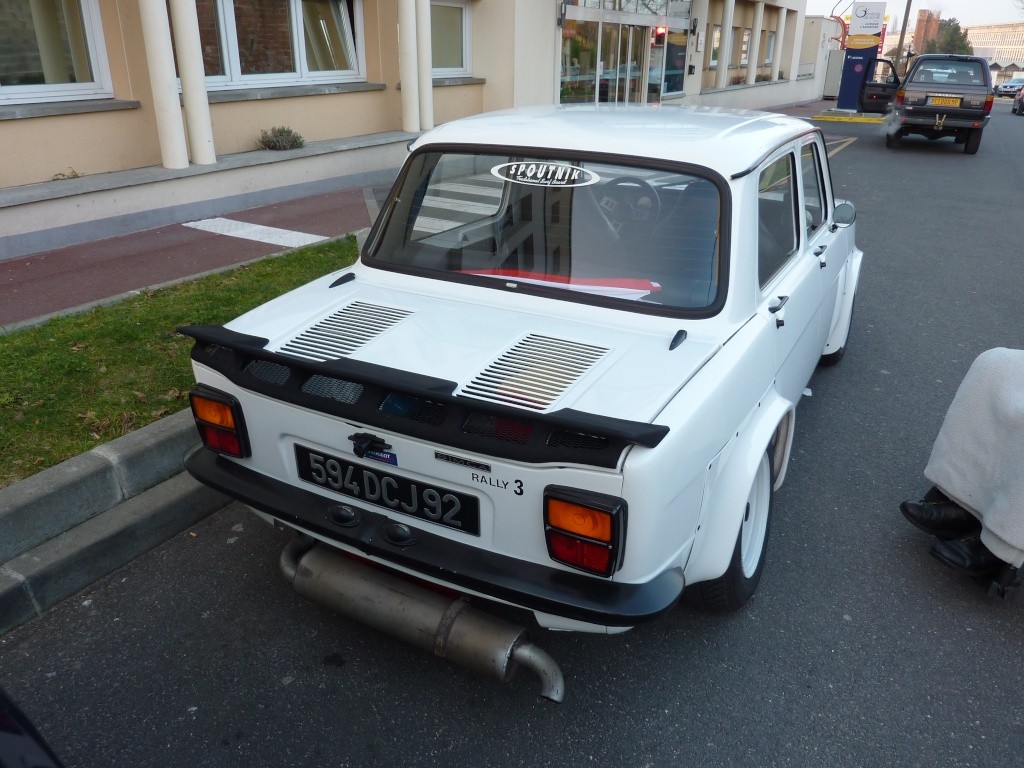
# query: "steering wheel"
{"points": [[631, 205]]}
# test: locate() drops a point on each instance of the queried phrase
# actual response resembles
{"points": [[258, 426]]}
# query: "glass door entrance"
{"points": [[604, 62], [623, 63]]}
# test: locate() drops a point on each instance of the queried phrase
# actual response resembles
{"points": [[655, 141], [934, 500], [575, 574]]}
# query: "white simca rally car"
{"points": [[562, 376]]}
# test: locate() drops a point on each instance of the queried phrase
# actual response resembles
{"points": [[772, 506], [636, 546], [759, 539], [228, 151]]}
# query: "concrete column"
{"points": [[156, 36], [754, 52], [780, 40], [407, 65], [425, 64], [51, 48], [692, 84], [798, 39], [189, 50], [725, 45]]}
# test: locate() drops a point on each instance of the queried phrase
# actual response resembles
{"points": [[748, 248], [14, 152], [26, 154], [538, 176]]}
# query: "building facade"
{"points": [[96, 87], [1002, 45]]}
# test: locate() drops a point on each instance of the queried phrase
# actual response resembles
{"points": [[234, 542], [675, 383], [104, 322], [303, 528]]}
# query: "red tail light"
{"points": [[219, 421], [988, 103], [584, 530], [899, 98]]}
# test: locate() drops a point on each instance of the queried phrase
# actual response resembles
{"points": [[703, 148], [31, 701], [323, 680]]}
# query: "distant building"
{"points": [[1002, 45]]}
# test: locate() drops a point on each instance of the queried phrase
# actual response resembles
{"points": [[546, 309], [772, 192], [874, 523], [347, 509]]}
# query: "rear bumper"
{"points": [[933, 121], [463, 567]]}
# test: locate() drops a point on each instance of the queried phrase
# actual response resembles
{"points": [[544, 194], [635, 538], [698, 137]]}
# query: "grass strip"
{"points": [[79, 381]]}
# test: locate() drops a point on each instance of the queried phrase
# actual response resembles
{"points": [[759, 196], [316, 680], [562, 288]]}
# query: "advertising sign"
{"points": [[867, 21]]}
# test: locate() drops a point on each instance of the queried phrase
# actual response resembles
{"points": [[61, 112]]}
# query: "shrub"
{"points": [[279, 138]]}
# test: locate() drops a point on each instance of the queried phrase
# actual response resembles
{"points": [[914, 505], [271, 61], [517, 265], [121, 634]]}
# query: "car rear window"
{"points": [[952, 72], [586, 228]]}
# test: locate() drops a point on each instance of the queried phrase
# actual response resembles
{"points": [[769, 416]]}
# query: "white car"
{"points": [[562, 376]]}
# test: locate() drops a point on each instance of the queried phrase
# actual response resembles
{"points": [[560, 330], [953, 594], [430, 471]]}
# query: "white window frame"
{"points": [[302, 75], [467, 52], [769, 47], [716, 45], [101, 87], [745, 36]]}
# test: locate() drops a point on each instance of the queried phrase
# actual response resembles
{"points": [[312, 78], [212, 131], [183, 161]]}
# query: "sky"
{"points": [[967, 12]]}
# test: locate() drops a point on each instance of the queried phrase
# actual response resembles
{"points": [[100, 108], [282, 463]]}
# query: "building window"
{"points": [[51, 51], [745, 48], [769, 48], [249, 43], [716, 42], [449, 37]]}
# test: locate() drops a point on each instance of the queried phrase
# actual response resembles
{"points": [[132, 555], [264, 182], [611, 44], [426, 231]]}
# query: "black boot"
{"points": [[968, 556], [943, 519]]}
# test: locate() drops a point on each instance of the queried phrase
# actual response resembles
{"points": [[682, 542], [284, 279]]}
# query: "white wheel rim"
{"points": [[755, 520]]}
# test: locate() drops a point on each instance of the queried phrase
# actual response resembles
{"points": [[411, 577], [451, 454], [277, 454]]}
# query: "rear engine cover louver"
{"points": [[343, 332], [534, 372]]}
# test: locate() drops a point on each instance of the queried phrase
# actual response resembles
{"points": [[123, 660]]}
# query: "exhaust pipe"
{"points": [[450, 629]]}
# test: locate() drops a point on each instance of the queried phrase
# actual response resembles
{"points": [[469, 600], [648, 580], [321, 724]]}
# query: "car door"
{"points": [[822, 242], [880, 85], [788, 276]]}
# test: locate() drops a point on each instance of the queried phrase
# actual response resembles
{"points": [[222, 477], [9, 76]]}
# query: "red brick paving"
{"points": [[49, 282]]}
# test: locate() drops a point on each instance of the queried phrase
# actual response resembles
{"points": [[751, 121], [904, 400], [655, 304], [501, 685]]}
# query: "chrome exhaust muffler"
{"points": [[450, 629]]}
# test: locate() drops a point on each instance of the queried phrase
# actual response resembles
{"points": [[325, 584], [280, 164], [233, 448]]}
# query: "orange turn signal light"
{"points": [[582, 521], [213, 411]]}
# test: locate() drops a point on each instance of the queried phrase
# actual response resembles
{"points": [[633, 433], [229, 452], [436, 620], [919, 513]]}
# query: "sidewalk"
{"points": [[72, 524]]}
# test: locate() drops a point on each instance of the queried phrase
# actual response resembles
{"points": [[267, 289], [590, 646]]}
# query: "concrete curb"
{"points": [[71, 524], [47, 574], [57, 499]]}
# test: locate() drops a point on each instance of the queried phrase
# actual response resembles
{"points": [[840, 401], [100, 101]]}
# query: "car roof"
{"points": [[728, 141]]}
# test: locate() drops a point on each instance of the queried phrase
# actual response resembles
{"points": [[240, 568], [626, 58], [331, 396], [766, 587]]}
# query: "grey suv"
{"points": [[942, 95]]}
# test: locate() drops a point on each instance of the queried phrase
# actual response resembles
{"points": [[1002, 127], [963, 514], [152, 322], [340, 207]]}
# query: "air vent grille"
{"points": [[534, 372], [343, 332]]}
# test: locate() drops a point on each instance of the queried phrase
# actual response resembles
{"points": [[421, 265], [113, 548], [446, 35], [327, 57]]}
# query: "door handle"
{"points": [[773, 308], [820, 250]]}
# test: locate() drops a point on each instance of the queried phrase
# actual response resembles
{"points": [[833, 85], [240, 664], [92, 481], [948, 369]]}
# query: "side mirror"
{"points": [[843, 216]]}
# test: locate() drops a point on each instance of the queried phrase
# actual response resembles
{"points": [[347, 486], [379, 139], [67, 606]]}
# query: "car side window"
{"points": [[814, 194], [776, 217]]}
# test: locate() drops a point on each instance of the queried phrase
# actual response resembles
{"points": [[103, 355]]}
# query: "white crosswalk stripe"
{"points": [[273, 235]]}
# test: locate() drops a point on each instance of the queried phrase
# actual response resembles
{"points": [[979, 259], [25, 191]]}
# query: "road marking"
{"points": [[842, 145], [257, 232], [846, 119]]}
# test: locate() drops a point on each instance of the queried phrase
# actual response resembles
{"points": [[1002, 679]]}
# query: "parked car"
{"points": [[1010, 87], [562, 375], [1016, 108], [942, 95]]}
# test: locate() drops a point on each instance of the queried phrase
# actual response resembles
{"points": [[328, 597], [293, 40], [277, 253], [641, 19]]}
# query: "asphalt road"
{"points": [[859, 649]]}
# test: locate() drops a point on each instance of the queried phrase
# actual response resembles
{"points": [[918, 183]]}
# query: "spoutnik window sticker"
{"points": [[543, 174]]}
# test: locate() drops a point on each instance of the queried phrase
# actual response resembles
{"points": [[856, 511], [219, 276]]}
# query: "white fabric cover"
{"points": [[978, 456]]}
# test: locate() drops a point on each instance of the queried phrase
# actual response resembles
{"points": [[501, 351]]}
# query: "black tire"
{"points": [[736, 586], [973, 142]]}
